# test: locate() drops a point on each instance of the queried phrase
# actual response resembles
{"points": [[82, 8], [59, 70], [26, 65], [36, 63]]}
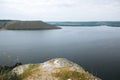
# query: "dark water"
{"points": [[97, 49]]}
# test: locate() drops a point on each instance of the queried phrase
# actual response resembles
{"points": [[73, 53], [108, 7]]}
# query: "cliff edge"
{"points": [[54, 69]]}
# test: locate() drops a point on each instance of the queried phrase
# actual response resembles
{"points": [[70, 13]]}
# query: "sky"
{"points": [[60, 10]]}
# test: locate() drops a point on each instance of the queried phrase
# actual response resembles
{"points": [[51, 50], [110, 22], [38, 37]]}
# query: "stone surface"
{"points": [[54, 69]]}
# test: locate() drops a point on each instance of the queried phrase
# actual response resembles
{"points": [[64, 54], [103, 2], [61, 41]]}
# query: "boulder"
{"points": [[54, 69]]}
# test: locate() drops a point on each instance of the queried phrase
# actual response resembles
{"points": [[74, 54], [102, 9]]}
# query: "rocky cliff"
{"points": [[54, 69], [26, 25]]}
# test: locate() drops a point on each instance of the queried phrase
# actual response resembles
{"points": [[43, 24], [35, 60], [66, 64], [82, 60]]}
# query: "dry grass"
{"points": [[9, 76], [65, 73], [32, 68]]}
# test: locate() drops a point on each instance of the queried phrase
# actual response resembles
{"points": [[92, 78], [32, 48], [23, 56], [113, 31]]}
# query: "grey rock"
{"points": [[49, 69]]}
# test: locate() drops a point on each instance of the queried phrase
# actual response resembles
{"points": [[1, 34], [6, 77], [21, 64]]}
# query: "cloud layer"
{"points": [[60, 10]]}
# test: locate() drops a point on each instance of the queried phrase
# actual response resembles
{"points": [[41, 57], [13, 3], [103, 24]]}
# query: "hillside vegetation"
{"points": [[54, 69], [26, 25]]}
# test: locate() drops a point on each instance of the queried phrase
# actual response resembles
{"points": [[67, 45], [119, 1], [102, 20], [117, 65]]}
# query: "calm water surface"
{"points": [[97, 49]]}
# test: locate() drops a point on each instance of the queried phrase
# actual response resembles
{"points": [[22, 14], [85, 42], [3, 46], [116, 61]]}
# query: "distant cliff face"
{"points": [[54, 69], [26, 25]]}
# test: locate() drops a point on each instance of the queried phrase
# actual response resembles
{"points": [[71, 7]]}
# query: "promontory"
{"points": [[54, 69], [26, 25]]}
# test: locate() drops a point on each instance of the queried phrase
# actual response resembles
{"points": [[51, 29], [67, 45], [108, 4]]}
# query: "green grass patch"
{"points": [[65, 73], [9, 76], [5, 73], [29, 71]]}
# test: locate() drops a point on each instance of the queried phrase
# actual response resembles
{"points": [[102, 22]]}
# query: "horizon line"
{"points": [[64, 20]]}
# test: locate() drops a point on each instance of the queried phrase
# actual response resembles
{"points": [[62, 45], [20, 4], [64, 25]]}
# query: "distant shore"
{"points": [[87, 24], [25, 25]]}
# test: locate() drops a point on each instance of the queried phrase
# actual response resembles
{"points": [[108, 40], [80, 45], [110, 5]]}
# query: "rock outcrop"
{"points": [[26, 25], [54, 69]]}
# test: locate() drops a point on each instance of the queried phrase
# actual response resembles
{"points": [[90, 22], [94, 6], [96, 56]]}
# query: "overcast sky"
{"points": [[60, 10]]}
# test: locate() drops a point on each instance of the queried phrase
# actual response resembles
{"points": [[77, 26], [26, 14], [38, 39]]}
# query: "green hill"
{"points": [[26, 25]]}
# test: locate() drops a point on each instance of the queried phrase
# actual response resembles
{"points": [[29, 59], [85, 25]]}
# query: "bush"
{"points": [[5, 73], [9, 76]]}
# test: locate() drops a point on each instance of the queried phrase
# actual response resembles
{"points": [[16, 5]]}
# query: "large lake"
{"points": [[97, 49]]}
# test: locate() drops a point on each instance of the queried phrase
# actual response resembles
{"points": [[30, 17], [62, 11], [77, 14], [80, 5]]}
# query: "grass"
{"points": [[29, 71], [5, 73], [9, 76], [65, 73]]}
